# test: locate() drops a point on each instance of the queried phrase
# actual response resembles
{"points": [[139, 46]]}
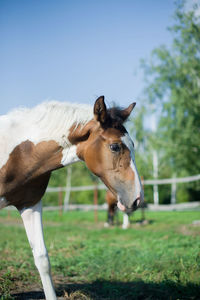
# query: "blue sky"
{"points": [[73, 50]]}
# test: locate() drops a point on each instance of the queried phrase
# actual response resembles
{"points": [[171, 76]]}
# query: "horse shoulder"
{"points": [[28, 162], [29, 194]]}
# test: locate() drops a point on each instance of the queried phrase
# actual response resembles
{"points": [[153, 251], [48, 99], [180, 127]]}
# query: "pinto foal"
{"points": [[34, 142]]}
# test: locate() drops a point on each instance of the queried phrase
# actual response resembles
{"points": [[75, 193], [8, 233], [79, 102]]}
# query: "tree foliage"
{"points": [[174, 84]]}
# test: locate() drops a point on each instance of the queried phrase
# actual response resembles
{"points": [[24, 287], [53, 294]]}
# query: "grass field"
{"points": [[160, 260]]}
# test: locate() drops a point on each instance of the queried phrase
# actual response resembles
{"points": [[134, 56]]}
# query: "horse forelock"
{"points": [[116, 118], [115, 113]]}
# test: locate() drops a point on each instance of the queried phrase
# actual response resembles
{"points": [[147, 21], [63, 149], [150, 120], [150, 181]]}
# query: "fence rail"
{"points": [[154, 182], [172, 180], [150, 207], [145, 182]]}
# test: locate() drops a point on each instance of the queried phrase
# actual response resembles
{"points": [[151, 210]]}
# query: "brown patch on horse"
{"points": [[27, 167], [30, 193]]}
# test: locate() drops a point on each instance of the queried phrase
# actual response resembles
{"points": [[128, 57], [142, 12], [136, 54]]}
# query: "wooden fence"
{"points": [[154, 182]]}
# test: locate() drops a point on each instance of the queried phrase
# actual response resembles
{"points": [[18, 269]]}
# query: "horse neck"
{"points": [[57, 123]]}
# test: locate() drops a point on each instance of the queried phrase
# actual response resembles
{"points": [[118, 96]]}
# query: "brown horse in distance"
{"points": [[111, 201]]}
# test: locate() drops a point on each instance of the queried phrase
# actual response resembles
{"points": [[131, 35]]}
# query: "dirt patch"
{"points": [[189, 230], [63, 291], [8, 221], [196, 223]]}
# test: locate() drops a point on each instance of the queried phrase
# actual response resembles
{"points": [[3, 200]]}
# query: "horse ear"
{"points": [[100, 110], [127, 111]]}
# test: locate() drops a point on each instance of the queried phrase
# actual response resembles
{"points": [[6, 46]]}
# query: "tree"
{"points": [[174, 84]]}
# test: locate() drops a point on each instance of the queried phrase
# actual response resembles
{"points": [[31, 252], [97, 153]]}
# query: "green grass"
{"points": [[160, 260]]}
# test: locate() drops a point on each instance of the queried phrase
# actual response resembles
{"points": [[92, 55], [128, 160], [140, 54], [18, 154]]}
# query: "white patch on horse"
{"points": [[129, 144], [47, 121], [3, 202], [69, 156]]}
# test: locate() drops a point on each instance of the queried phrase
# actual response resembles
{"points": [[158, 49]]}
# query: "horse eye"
{"points": [[115, 147]]}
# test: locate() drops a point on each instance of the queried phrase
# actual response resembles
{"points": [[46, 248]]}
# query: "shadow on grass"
{"points": [[137, 290]]}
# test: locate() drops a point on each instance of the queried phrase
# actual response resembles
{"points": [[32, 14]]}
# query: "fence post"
{"points": [[155, 175], [95, 202], [173, 192], [60, 202], [142, 208], [68, 186]]}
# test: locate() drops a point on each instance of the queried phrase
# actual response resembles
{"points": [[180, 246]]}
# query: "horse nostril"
{"points": [[136, 203]]}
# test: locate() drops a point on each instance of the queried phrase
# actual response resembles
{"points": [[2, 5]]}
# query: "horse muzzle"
{"points": [[128, 209]]}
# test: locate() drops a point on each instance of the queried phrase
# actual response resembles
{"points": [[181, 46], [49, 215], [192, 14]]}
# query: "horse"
{"points": [[111, 200], [36, 141]]}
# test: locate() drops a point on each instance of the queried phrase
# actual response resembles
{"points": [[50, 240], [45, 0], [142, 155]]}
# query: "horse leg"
{"points": [[117, 217], [125, 221], [108, 223], [32, 219], [110, 218]]}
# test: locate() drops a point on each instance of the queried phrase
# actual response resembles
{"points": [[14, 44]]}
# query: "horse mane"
{"points": [[50, 116], [74, 112], [49, 120]]}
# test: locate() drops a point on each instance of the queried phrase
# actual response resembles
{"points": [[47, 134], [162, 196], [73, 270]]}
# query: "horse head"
{"points": [[108, 151]]}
